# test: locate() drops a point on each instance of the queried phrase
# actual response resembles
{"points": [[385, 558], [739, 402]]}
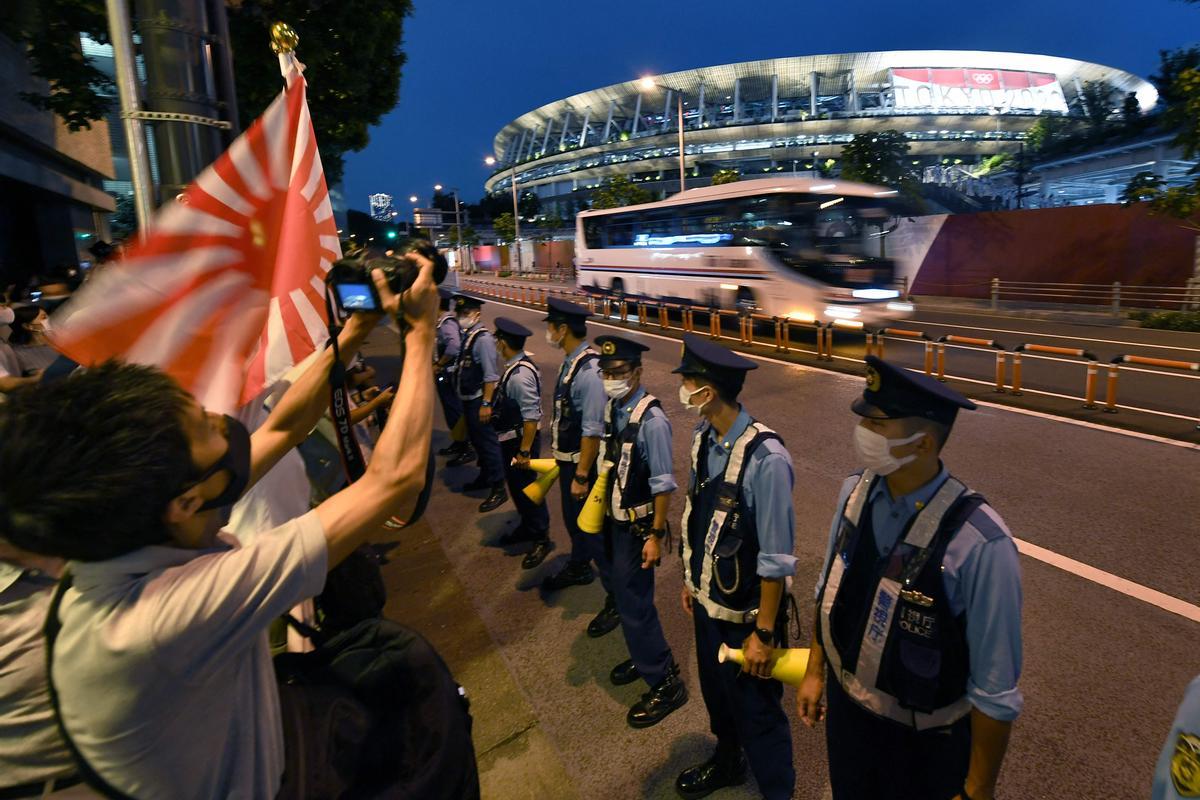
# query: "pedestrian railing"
{"points": [[1114, 297]]}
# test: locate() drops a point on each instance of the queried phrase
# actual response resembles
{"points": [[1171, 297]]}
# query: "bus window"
{"points": [[593, 232], [620, 229]]}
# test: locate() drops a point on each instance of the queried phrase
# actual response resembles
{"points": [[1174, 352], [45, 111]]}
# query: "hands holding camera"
{"points": [[417, 306]]}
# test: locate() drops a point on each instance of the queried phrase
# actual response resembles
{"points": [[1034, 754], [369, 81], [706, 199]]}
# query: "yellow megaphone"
{"points": [[787, 665], [459, 432], [591, 517], [547, 469]]}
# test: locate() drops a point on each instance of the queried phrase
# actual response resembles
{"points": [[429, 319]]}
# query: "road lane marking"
{"points": [[1053, 335], [1110, 581], [1085, 571]]}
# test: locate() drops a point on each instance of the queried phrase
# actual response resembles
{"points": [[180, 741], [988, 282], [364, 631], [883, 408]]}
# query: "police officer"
{"points": [[737, 542], [516, 416], [1177, 774], [637, 452], [918, 635], [575, 433], [477, 377], [445, 360]]}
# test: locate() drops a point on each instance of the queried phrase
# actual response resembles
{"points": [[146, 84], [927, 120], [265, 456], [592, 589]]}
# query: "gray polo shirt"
{"points": [[163, 667]]}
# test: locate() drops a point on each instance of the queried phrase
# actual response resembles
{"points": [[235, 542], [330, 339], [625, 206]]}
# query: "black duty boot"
{"points": [[453, 449], [656, 704], [716, 773], [538, 554], [624, 673], [463, 456], [607, 620], [575, 573], [497, 498], [518, 535]]}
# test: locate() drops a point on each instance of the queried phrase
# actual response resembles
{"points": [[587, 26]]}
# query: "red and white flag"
{"points": [[227, 291]]}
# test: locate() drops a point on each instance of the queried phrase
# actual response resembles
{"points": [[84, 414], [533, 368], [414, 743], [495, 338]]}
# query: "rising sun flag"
{"points": [[227, 291]]}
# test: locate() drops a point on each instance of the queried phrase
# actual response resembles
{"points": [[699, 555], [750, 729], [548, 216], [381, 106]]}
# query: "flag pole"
{"points": [[283, 42]]}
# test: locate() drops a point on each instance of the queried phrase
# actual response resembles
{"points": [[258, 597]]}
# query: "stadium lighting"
{"points": [[490, 161], [412, 199], [647, 84]]}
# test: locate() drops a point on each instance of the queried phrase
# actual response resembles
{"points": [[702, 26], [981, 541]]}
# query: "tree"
{"points": [[505, 226], [1182, 116], [619, 191], [1170, 64], [353, 68], [1047, 132], [1131, 109], [881, 159], [1095, 103], [469, 237], [723, 176], [1143, 186]]}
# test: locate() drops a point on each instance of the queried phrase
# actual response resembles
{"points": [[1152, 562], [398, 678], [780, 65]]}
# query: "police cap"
{"points": [[513, 332], [712, 362], [466, 301], [893, 393], [617, 348], [563, 312]]}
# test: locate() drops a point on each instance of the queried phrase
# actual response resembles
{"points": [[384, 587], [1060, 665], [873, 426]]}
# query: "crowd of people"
{"points": [[155, 557]]}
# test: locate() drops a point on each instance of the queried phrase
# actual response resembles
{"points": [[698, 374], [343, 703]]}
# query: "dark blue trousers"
{"points": [[874, 757], [744, 711], [483, 439], [633, 589], [535, 517], [585, 547], [452, 405]]}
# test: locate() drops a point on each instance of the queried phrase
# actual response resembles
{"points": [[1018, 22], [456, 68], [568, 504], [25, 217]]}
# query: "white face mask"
{"points": [[685, 397], [6, 315], [550, 340], [874, 450], [45, 326], [468, 320], [616, 389]]}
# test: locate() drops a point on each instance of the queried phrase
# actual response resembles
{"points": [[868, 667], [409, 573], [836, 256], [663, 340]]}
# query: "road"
{"points": [[1164, 402], [1097, 508]]}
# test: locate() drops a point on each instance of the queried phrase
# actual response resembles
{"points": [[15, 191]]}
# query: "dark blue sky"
{"points": [[474, 66]]}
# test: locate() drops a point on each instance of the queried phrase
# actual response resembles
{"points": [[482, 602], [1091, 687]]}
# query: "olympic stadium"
{"points": [[793, 115]]}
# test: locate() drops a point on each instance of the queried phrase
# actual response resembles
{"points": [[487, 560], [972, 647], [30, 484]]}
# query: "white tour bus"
{"points": [[811, 250]]}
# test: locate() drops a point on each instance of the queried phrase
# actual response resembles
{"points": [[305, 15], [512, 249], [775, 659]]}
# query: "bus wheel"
{"points": [[618, 289], [745, 300]]}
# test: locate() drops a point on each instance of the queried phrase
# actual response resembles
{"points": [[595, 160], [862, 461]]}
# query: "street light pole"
{"points": [[127, 89], [649, 83], [491, 161]]}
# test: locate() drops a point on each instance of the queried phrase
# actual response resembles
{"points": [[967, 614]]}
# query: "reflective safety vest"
{"points": [[631, 499], [566, 429], [442, 342], [889, 634], [720, 540], [470, 371], [506, 411]]}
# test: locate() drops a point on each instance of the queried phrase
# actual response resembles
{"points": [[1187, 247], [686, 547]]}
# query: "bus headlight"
{"points": [[848, 323], [841, 312], [874, 294], [907, 308]]}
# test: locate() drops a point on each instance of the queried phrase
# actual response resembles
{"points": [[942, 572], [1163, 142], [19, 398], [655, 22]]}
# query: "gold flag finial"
{"points": [[283, 38]]}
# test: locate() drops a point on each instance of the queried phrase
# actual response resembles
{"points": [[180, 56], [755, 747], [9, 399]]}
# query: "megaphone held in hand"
{"points": [[787, 665], [547, 470], [591, 518]]}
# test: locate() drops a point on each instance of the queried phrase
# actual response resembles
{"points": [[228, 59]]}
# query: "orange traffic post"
{"points": [[999, 370], [714, 323], [686, 314], [1089, 394], [624, 310], [1016, 380], [941, 362], [641, 314], [1110, 396], [928, 357], [779, 336], [663, 321]]}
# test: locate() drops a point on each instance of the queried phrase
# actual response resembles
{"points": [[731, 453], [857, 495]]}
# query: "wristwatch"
{"points": [[580, 479], [523, 453], [486, 404], [658, 533], [765, 635]]}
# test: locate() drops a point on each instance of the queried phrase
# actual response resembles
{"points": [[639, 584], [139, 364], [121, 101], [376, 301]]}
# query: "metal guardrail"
{"points": [[1114, 296], [681, 317]]}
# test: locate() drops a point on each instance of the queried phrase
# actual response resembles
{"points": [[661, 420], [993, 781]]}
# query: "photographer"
{"points": [[164, 678]]}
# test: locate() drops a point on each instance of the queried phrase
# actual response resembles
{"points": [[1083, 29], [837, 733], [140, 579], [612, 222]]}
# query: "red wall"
{"points": [[1079, 244]]}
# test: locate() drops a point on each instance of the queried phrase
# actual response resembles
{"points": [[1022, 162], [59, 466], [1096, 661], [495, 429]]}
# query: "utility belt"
{"points": [[788, 611], [559, 455], [515, 433]]}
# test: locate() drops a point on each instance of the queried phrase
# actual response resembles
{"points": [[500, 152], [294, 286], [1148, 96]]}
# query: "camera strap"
{"points": [[352, 458]]}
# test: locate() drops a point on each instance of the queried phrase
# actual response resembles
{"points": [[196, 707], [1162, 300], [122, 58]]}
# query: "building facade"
{"points": [[792, 115]]}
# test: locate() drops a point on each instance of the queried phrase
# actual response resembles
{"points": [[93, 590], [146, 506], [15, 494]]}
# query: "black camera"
{"points": [[354, 288]]}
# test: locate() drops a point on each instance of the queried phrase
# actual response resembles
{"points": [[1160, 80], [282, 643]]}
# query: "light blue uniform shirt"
{"points": [[522, 386], [449, 337], [768, 493], [653, 439], [587, 393], [1181, 753], [982, 576], [484, 353]]}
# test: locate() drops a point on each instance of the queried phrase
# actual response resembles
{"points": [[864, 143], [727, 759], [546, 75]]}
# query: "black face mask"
{"points": [[236, 460]]}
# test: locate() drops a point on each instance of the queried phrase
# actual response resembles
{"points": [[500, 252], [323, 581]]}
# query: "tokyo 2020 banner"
{"points": [[967, 88]]}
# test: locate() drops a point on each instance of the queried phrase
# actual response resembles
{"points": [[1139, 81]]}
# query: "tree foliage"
{"points": [[1183, 116], [1170, 64], [879, 158], [49, 29], [505, 226], [1095, 103], [469, 237], [723, 176], [619, 191], [351, 49]]}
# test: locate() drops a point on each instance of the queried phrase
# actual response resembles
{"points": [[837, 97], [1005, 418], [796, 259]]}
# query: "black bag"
{"points": [[419, 744], [354, 591]]}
